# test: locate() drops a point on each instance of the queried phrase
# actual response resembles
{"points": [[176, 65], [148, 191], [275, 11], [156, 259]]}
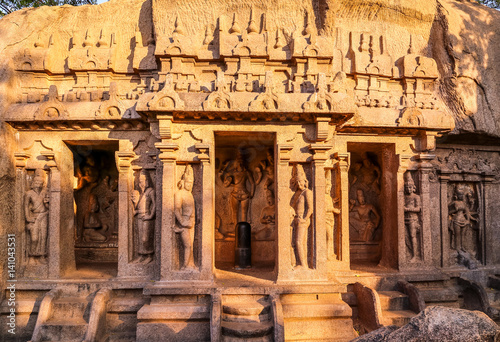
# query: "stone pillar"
{"points": [[21, 159], [343, 226], [320, 253], [489, 238], [125, 223], [54, 241], [168, 157], [207, 255], [283, 266], [425, 167], [444, 178], [402, 253]]}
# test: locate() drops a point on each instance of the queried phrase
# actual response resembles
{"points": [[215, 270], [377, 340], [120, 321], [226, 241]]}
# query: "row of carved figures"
{"points": [[364, 217]]}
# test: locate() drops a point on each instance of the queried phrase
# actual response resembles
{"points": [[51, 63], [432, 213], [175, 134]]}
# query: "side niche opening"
{"points": [[371, 217], [245, 192], [95, 194]]}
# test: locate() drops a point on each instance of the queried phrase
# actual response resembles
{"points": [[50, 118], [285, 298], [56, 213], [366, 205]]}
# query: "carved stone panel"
{"points": [[245, 192], [36, 211], [413, 220], [96, 202], [144, 211], [301, 211], [365, 233], [464, 223]]}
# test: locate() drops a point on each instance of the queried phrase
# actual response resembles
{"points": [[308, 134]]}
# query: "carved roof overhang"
{"points": [[462, 164], [234, 73], [81, 125]]}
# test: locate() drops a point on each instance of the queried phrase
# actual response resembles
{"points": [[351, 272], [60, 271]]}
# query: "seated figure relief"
{"points": [[267, 219], [363, 218]]}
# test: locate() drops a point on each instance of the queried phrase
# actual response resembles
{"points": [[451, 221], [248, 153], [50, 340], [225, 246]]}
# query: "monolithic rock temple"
{"points": [[246, 170]]}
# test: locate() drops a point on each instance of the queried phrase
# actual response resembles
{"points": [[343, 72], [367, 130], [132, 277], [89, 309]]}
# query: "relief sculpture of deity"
{"points": [[363, 218], [185, 217], [412, 210], [302, 204], [463, 220], [144, 210], [36, 209], [266, 169], [331, 211], [267, 219], [236, 174]]}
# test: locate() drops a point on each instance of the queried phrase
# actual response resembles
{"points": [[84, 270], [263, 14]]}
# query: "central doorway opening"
{"points": [[95, 195], [245, 192]]}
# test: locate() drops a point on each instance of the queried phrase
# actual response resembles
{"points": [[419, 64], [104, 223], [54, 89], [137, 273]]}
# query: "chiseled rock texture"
{"points": [[442, 324], [460, 35]]}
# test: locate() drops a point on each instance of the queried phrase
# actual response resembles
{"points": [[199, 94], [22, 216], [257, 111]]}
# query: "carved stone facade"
{"points": [[138, 152]]}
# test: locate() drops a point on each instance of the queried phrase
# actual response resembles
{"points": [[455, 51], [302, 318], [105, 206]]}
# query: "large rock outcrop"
{"points": [[439, 324]]}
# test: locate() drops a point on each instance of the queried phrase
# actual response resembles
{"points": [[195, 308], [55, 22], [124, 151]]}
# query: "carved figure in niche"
{"points": [[302, 204], [92, 225], [461, 216], [36, 209], [218, 223], [363, 218], [412, 209], [185, 216], [88, 174], [366, 175], [331, 211], [267, 218], [266, 169], [144, 209], [236, 174]]}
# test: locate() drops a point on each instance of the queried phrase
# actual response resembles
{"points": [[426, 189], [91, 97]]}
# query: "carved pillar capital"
{"points": [[168, 151], [425, 161], [322, 128], [165, 126], [204, 152], [343, 161], [51, 159], [284, 153], [319, 151], [21, 159], [124, 160]]}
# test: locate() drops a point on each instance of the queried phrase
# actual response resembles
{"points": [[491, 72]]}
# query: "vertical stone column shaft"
{"points": [[168, 157], [207, 213], [125, 231], [284, 237], [445, 235], [343, 228]]}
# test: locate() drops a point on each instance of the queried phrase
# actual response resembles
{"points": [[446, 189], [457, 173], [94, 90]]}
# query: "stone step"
{"points": [[246, 308], [493, 295], [122, 337], [63, 330], [494, 281], [69, 307], [398, 317], [246, 318], [246, 330], [393, 300], [268, 338], [350, 298], [438, 294]]}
